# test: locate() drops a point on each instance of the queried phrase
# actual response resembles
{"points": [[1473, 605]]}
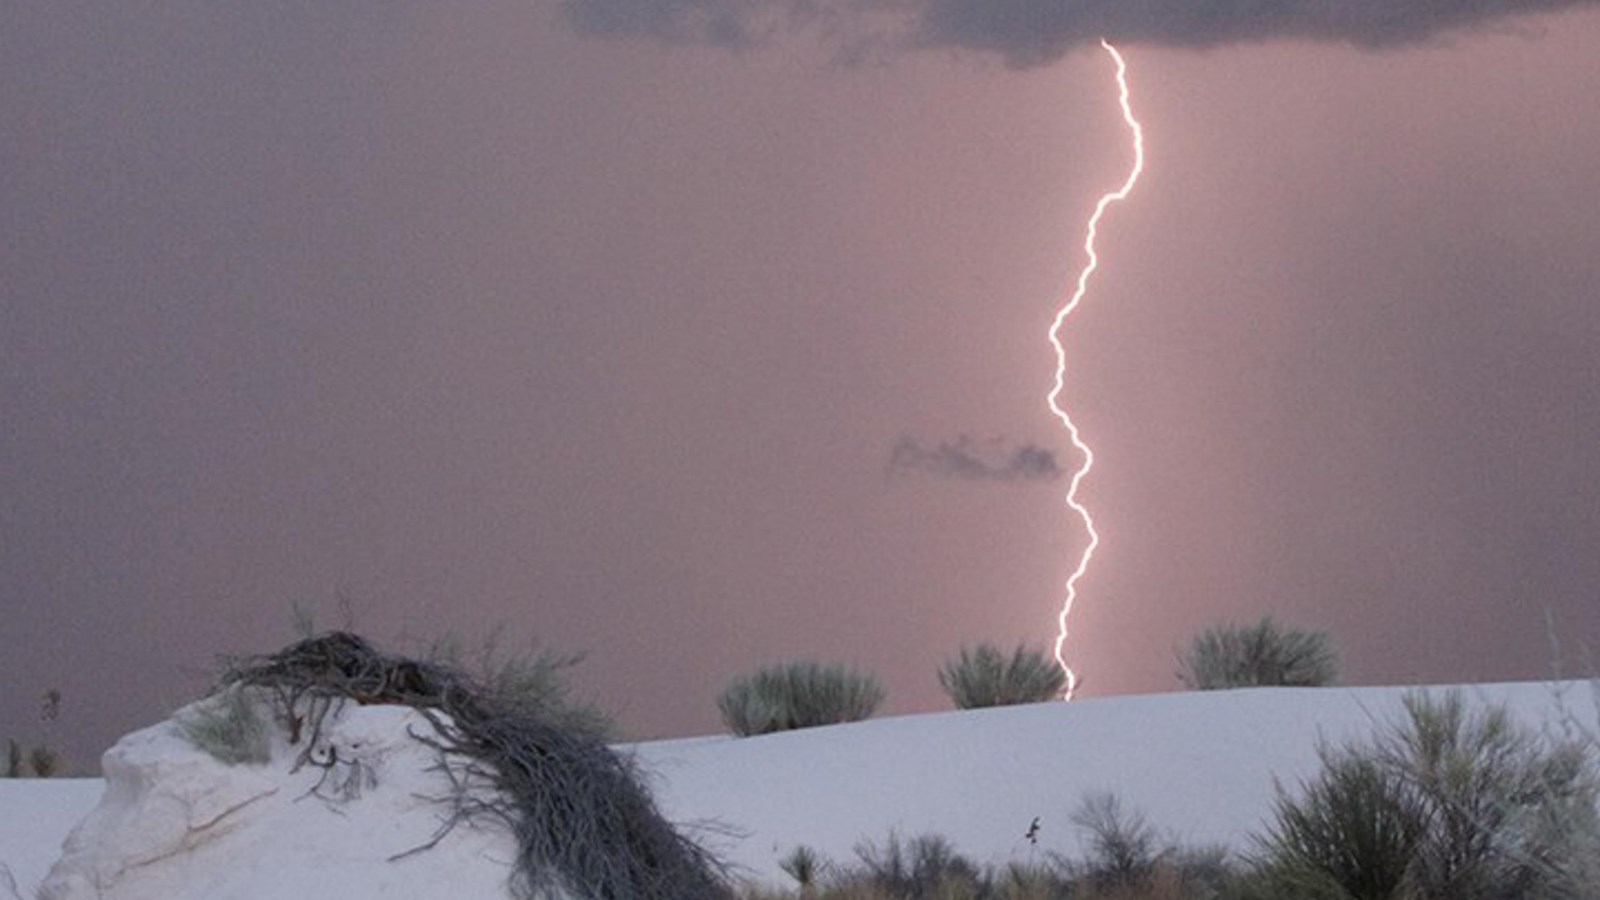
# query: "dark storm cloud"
{"points": [[968, 460], [720, 22], [1031, 32]]}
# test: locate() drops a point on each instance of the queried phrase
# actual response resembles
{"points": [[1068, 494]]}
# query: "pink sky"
{"points": [[479, 322]]}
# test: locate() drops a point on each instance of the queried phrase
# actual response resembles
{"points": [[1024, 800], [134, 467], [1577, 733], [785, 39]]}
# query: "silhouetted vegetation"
{"points": [[805, 866], [920, 867], [984, 677], [1125, 862], [1453, 803], [534, 682], [38, 760], [583, 821], [1233, 655], [798, 695]]}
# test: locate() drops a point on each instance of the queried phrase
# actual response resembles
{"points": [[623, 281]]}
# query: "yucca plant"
{"points": [[1233, 655], [984, 677], [805, 866], [1451, 803], [1357, 829], [798, 695]]}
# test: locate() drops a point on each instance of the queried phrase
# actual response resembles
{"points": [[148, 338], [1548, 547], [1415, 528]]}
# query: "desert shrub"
{"points": [[537, 684], [1512, 813], [798, 695], [1125, 863], [804, 865], [1128, 860], [39, 760], [45, 762], [534, 683], [1451, 804], [583, 820], [228, 726], [985, 677], [1353, 834], [31, 762], [1232, 655], [925, 866], [1122, 845]]}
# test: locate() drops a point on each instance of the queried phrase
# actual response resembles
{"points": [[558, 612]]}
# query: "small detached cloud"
{"points": [[969, 460]]}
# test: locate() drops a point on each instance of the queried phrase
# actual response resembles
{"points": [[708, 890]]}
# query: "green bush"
{"points": [[984, 677], [1450, 804], [798, 695], [1353, 834], [1234, 655], [227, 725]]}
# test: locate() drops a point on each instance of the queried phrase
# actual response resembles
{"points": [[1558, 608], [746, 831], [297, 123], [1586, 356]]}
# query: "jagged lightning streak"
{"points": [[1061, 365]]}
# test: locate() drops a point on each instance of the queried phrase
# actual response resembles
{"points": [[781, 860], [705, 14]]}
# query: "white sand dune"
{"points": [[1200, 766]]}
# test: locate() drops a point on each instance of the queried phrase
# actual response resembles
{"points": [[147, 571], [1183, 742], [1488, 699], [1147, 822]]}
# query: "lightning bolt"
{"points": [[1061, 365]]}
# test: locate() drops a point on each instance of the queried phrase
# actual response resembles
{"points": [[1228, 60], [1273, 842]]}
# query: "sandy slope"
{"points": [[1200, 766], [35, 816]]}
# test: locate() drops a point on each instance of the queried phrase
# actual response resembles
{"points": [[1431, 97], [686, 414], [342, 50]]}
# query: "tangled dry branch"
{"points": [[583, 820]]}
